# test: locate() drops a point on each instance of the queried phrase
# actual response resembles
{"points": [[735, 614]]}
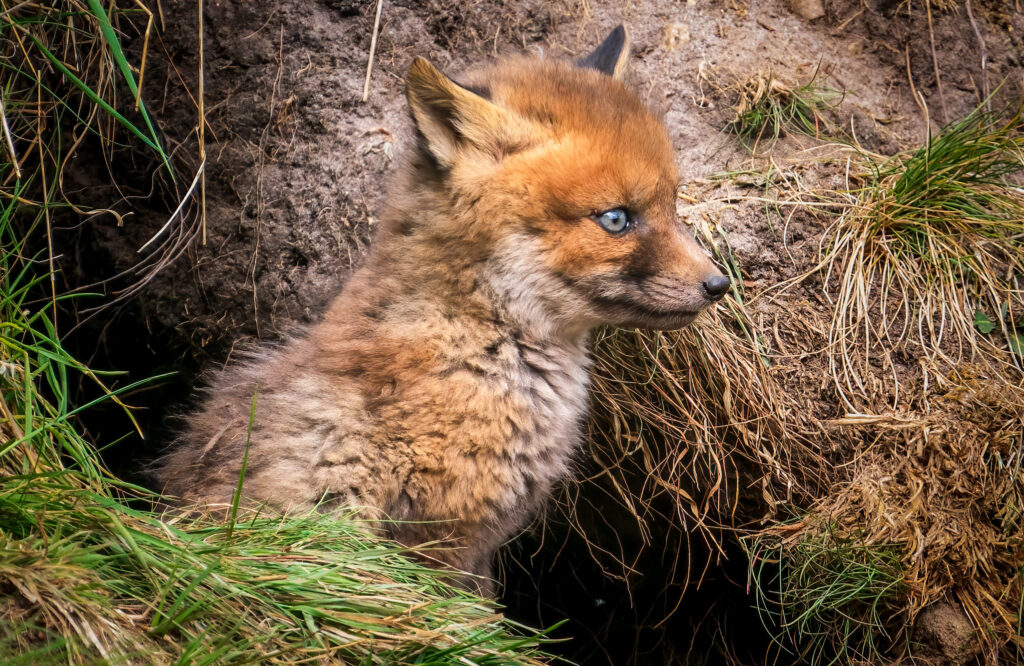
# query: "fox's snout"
{"points": [[659, 300]]}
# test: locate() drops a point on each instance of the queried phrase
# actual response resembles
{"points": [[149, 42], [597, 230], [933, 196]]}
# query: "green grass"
{"points": [[931, 251], [87, 573], [832, 598]]}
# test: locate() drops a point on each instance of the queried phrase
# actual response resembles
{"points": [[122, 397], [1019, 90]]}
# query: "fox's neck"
{"points": [[468, 281]]}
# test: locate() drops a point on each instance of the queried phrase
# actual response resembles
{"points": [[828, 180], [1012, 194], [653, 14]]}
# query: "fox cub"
{"points": [[446, 385]]}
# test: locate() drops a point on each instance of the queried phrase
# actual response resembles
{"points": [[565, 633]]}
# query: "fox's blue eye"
{"points": [[615, 221]]}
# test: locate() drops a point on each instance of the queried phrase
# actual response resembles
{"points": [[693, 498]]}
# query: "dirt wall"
{"points": [[298, 163]]}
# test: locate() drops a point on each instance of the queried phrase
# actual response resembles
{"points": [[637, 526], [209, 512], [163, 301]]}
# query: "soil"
{"points": [[945, 635], [298, 163], [297, 166]]}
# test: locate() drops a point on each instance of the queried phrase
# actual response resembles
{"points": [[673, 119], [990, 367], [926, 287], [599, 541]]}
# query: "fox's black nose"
{"points": [[716, 287]]}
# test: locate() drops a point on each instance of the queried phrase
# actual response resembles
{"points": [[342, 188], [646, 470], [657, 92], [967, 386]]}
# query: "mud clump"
{"points": [[945, 635]]}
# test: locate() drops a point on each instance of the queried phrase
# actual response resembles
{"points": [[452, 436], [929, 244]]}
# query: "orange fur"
{"points": [[447, 383]]}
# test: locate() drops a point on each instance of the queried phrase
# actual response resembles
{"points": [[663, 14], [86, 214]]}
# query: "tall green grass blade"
{"points": [[233, 516], [126, 72], [99, 101]]}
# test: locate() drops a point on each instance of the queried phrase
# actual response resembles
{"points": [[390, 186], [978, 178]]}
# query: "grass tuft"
{"points": [[931, 253], [765, 108], [833, 597]]}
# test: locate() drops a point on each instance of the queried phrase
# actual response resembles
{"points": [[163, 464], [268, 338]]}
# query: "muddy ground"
{"points": [[297, 166]]}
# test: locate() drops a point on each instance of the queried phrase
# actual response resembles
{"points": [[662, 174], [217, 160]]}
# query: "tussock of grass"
{"points": [[922, 276], [765, 107], [933, 502], [934, 238], [833, 596]]}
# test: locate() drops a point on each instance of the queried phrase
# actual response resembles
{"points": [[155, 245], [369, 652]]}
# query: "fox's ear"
{"points": [[449, 116], [611, 56]]}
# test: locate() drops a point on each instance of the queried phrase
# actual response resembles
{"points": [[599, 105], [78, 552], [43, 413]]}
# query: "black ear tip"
{"points": [[616, 39], [610, 54]]}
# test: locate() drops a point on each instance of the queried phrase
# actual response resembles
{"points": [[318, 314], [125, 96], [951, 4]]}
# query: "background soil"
{"points": [[298, 165]]}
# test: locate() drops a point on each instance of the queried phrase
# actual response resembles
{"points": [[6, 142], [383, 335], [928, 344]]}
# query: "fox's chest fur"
{"points": [[500, 422]]}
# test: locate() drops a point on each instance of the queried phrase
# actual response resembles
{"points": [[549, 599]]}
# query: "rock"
{"points": [[944, 634], [807, 9], [675, 35]]}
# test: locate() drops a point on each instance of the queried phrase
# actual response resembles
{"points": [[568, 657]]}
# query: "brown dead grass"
{"points": [[764, 107], [945, 486], [695, 434]]}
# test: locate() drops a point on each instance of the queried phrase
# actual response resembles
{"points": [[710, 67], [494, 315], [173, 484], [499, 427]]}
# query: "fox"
{"points": [[444, 391]]}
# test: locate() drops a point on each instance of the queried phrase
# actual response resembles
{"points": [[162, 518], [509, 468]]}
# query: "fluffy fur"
{"points": [[446, 384]]}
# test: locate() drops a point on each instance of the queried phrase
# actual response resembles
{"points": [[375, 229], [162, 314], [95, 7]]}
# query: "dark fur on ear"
{"points": [[611, 56]]}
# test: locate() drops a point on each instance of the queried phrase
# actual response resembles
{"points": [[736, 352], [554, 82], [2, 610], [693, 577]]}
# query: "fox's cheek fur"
{"points": [[536, 291]]}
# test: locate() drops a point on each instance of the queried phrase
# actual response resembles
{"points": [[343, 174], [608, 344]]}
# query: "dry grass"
{"points": [[938, 494], [765, 107], [690, 425], [941, 5], [912, 497], [924, 247]]}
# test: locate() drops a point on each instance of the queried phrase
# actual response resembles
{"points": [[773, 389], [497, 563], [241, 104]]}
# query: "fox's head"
{"points": [[564, 185]]}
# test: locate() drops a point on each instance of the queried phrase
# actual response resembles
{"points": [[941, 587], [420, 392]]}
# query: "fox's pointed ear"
{"points": [[611, 56], [449, 116]]}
